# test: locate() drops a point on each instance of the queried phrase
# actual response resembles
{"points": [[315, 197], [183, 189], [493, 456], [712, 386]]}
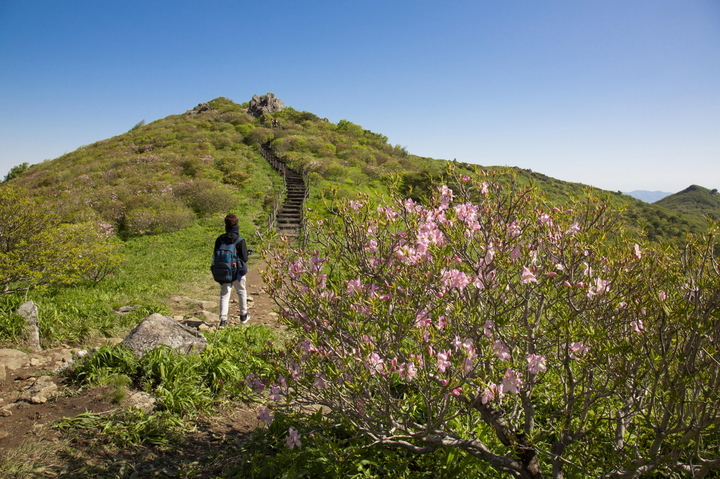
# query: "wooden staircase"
{"points": [[288, 216]]}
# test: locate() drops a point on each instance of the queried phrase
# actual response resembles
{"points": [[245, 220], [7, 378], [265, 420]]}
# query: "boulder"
{"points": [[13, 359], [29, 312], [198, 109], [142, 400], [260, 105], [157, 329]]}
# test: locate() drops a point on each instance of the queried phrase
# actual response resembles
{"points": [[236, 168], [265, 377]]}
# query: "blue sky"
{"points": [[621, 95]]}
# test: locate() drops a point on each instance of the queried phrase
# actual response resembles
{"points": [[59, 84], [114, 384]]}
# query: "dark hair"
{"points": [[230, 221]]}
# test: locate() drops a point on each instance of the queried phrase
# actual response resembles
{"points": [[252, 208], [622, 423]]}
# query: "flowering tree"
{"points": [[543, 341]]}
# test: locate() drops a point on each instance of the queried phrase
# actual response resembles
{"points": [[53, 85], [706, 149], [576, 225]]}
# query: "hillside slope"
{"points": [[162, 176], [694, 201]]}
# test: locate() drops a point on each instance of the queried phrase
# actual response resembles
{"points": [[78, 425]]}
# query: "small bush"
{"points": [[259, 135], [150, 220], [206, 197], [16, 171]]}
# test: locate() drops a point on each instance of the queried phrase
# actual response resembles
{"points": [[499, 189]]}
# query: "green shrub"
{"points": [[37, 250], [259, 135], [156, 220], [206, 197], [16, 171]]}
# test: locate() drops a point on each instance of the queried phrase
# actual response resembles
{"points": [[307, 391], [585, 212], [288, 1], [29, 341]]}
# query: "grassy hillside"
{"points": [[694, 201], [162, 176]]}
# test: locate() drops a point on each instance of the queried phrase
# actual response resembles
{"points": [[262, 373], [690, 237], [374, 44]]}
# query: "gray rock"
{"points": [[142, 400], [265, 104], [40, 391], [210, 317], [29, 312], [157, 329], [126, 309], [205, 305], [198, 109], [13, 359]]}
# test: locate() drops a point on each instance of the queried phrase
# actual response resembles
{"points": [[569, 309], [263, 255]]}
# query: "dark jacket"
{"points": [[230, 237]]}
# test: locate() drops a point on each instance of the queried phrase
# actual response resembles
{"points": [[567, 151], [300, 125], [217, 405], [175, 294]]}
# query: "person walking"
{"points": [[232, 236]]}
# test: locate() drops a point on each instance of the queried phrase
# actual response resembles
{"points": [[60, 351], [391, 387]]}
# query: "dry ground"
{"points": [[30, 447]]}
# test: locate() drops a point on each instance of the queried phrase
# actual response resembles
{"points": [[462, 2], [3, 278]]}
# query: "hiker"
{"points": [[237, 277]]}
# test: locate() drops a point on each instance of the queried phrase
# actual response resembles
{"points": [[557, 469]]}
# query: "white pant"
{"points": [[225, 290]]}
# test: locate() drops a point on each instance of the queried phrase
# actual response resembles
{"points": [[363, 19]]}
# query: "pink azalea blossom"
{"points": [[456, 391], [527, 276], [355, 205], [371, 246], [454, 279], [600, 287], [573, 229], [375, 363], [501, 351], [446, 196], [423, 318], [511, 382], [638, 326], [443, 360], [468, 364], [319, 381], [293, 438], [275, 393], [487, 328], [265, 416], [513, 230], [407, 372], [490, 393], [536, 363], [390, 214], [636, 251], [578, 350], [662, 295], [354, 286]]}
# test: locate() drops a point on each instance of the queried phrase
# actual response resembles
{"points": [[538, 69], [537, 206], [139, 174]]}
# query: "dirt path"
{"points": [[23, 421]]}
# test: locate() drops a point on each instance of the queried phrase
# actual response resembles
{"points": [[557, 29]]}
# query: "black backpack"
{"points": [[226, 263]]}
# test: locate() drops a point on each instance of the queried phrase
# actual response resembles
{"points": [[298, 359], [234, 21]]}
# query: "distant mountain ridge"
{"points": [[694, 200], [648, 196]]}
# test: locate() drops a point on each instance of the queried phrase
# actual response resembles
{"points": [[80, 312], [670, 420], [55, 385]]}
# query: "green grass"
{"points": [[156, 268]]}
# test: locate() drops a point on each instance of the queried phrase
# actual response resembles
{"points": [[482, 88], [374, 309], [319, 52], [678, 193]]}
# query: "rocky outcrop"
{"points": [[198, 109], [265, 104], [157, 329], [29, 312]]}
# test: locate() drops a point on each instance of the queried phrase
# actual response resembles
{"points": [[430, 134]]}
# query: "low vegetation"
{"points": [[694, 201], [451, 327], [540, 341]]}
